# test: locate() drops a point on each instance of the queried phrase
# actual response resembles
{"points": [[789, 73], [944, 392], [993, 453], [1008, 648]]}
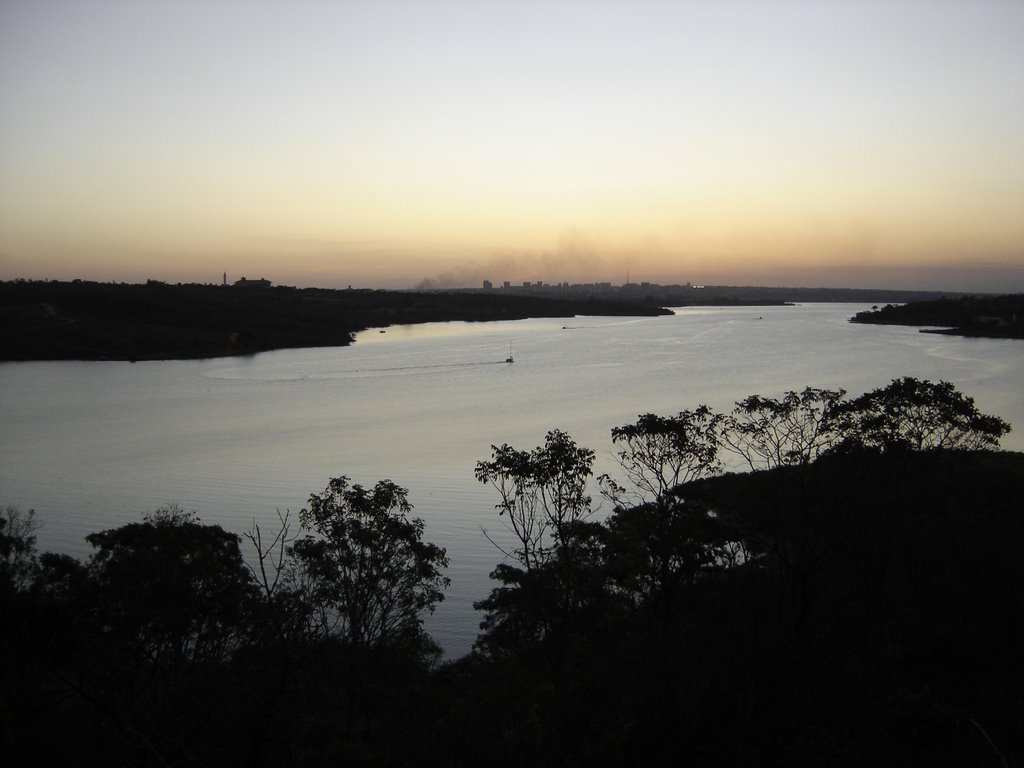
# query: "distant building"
{"points": [[246, 283], [506, 285], [488, 285]]}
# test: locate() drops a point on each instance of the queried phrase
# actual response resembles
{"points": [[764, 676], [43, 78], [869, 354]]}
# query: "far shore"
{"points": [[84, 320], [993, 317], [79, 320]]}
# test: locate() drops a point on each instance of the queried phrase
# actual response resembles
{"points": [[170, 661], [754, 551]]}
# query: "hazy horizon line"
{"points": [[431, 284]]}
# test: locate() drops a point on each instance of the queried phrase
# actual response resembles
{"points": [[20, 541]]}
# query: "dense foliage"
{"points": [[368, 574], [855, 599]]}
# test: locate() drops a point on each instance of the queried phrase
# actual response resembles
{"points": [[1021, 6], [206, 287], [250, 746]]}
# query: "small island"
{"points": [[998, 317]]}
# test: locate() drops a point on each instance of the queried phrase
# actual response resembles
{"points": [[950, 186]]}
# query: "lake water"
{"points": [[92, 445]]}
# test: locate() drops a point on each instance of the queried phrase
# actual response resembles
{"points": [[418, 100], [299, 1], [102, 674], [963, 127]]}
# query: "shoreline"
{"points": [[46, 321], [51, 320], [989, 317]]}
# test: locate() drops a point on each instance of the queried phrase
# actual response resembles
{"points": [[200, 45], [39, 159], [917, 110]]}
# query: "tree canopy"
{"points": [[367, 573], [172, 588], [541, 490], [920, 415], [794, 429], [658, 453]]}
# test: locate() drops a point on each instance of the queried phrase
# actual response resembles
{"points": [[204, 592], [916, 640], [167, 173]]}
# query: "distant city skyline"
{"points": [[951, 279], [399, 144]]}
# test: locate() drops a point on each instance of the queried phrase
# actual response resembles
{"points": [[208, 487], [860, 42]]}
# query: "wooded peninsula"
{"points": [[999, 317], [114, 321]]}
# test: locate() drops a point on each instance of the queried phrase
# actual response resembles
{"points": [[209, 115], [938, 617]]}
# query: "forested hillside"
{"points": [[855, 598], [113, 321]]}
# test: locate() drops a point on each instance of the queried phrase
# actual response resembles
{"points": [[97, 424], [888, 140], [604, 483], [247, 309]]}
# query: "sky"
{"points": [[405, 144]]}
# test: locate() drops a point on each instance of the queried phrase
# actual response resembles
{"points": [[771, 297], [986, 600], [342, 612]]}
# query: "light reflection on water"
{"points": [[93, 445]]}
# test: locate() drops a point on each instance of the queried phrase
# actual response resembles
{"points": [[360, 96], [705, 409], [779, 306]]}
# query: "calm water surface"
{"points": [[93, 445]]}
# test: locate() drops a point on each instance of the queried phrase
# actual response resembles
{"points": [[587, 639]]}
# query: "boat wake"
{"points": [[434, 366]]}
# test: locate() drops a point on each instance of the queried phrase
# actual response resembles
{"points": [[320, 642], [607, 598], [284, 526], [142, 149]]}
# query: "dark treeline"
{"points": [[856, 598], [747, 295], [80, 320], [83, 320], [991, 316], [722, 295]]}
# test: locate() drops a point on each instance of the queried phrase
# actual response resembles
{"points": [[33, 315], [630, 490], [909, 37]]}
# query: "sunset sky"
{"points": [[443, 142]]}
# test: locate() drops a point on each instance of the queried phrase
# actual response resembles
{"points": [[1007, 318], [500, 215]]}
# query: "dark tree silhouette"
{"points": [[17, 548], [655, 551], [768, 432], [921, 415], [172, 589], [659, 453], [544, 498], [541, 490], [365, 570]]}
